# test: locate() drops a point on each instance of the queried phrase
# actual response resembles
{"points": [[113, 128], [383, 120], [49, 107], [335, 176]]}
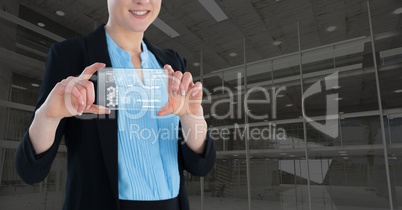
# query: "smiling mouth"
{"points": [[139, 12]]}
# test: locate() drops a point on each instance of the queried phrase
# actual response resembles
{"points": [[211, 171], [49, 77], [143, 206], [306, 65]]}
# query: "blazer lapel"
{"points": [[107, 124]]}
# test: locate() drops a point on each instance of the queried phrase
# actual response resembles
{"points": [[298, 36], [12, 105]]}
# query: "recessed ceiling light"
{"points": [[165, 28], [336, 87], [289, 105], [41, 24], [233, 54], [18, 87], [338, 99], [35, 85], [196, 64], [235, 155], [398, 91], [344, 154], [213, 8], [398, 11], [60, 13], [345, 158], [276, 43], [331, 28]]}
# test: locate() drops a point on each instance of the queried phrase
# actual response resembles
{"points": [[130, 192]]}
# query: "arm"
{"points": [[30, 166], [198, 164], [194, 130], [197, 148], [59, 99]]}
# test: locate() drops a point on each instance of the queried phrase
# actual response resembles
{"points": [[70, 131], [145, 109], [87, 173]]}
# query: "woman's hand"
{"points": [[73, 96], [185, 97]]}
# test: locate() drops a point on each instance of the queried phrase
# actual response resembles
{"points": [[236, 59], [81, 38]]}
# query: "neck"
{"points": [[129, 41]]}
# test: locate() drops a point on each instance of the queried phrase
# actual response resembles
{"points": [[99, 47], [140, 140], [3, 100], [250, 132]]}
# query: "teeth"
{"points": [[139, 12]]}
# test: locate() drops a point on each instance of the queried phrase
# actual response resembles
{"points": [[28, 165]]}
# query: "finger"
{"points": [[68, 81], [90, 92], [97, 109], [165, 110], [79, 101], [169, 76], [162, 112], [90, 70], [83, 92], [196, 91], [176, 83], [186, 82]]}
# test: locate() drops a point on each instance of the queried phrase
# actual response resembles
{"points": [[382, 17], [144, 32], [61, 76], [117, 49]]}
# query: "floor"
{"points": [[343, 198]]}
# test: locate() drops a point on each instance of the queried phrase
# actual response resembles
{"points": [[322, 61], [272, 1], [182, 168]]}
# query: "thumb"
{"points": [[164, 110], [97, 109]]}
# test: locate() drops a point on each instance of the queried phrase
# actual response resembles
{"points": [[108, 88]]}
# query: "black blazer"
{"points": [[92, 181]]}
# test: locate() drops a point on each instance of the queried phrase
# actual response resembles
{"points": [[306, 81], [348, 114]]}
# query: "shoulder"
{"points": [[67, 57], [75, 52], [69, 47], [79, 45]]}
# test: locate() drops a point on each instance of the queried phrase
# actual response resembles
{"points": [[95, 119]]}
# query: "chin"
{"points": [[137, 28]]}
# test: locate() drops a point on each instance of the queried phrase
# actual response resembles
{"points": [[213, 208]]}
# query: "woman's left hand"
{"points": [[185, 96]]}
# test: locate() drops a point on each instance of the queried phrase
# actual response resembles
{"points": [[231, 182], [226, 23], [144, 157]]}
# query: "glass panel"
{"points": [[48, 194], [193, 189], [18, 124], [279, 181], [25, 90], [361, 131], [349, 178], [388, 46], [395, 158], [343, 124], [226, 185]]}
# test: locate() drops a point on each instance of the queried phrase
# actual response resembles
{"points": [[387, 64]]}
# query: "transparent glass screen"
{"points": [[132, 89]]}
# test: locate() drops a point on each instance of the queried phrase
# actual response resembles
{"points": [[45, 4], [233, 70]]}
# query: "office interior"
{"points": [[323, 129]]}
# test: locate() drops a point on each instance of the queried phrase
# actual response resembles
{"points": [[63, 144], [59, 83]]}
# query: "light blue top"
{"points": [[147, 144]]}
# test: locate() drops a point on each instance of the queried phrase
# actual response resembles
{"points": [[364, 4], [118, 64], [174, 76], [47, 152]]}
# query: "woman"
{"points": [[107, 168]]}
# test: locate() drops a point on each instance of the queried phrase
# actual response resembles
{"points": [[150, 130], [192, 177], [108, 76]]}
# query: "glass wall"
{"points": [[48, 193], [332, 158]]}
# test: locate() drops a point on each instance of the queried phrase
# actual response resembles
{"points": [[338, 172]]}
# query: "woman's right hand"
{"points": [[73, 96]]}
